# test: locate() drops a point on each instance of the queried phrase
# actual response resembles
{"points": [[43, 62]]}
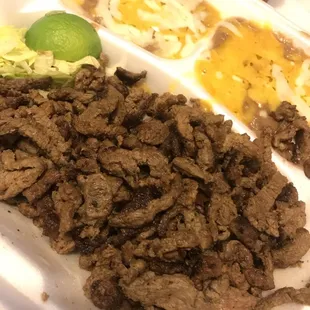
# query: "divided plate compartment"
{"points": [[298, 11], [28, 266]]}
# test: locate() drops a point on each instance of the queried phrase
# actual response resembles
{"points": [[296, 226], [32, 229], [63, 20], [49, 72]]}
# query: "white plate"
{"points": [[28, 266], [298, 11]]}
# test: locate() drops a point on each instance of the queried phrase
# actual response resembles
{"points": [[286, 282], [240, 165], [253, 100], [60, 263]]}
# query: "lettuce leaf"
{"points": [[16, 59]]}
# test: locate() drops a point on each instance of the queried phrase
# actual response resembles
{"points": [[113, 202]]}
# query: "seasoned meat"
{"points": [[234, 251], [152, 132], [240, 143], [63, 244], [67, 200], [291, 137], [221, 296], [259, 210], [161, 106], [25, 85], [101, 287], [129, 78], [129, 164], [288, 194], [27, 210], [285, 111], [236, 276], [166, 205], [17, 175], [136, 105], [139, 217], [39, 129], [162, 248], [70, 94], [291, 253], [132, 142], [262, 276], [87, 165], [306, 167], [29, 147], [172, 147], [208, 267], [94, 120], [90, 78], [196, 223], [167, 291], [186, 199], [47, 217], [283, 296], [246, 233], [205, 156], [97, 196], [13, 102], [188, 167], [118, 85], [222, 210], [291, 217], [162, 267], [37, 190]]}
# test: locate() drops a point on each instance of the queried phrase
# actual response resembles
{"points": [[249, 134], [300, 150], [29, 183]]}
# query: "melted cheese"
{"points": [[253, 68], [168, 28]]}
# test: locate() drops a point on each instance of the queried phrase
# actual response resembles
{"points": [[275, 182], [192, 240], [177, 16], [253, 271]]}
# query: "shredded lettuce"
{"points": [[16, 59]]}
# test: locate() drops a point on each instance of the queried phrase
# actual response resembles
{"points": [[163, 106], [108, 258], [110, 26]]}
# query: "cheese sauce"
{"points": [[254, 69]]}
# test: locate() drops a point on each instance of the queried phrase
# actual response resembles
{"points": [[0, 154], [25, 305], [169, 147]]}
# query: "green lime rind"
{"points": [[54, 12], [68, 36]]}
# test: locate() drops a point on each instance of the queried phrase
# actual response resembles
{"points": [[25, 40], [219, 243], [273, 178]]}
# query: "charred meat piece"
{"points": [[129, 78], [102, 288], [47, 217]]}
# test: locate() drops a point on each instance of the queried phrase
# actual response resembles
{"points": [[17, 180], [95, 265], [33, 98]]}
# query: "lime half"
{"points": [[68, 36]]}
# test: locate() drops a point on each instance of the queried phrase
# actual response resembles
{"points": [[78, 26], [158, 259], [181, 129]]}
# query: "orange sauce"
{"points": [[240, 69]]}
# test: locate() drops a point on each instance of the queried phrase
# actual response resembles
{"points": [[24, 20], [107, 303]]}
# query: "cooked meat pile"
{"points": [[167, 206], [289, 134]]}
